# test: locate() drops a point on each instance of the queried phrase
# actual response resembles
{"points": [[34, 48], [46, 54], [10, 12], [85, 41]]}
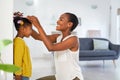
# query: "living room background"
{"points": [[94, 14]]}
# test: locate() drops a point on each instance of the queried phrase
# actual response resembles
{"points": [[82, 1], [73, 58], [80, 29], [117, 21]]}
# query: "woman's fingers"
{"points": [[32, 18]]}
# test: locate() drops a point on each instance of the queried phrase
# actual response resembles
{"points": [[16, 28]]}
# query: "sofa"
{"points": [[87, 51]]}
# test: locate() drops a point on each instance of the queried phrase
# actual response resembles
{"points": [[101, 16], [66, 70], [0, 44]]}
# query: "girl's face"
{"points": [[27, 31], [63, 23]]}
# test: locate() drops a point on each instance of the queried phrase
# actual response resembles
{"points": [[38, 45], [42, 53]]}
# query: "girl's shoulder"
{"points": [[18, 40]]}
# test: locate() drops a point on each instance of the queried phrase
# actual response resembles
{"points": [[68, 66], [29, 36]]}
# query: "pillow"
{"points": [[100, 44]]}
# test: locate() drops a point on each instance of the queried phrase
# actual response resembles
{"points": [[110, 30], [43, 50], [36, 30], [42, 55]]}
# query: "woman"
{"points": [[65, 47]]}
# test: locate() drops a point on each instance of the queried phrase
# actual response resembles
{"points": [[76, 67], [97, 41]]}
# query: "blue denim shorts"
{"points": [[25, 78]]}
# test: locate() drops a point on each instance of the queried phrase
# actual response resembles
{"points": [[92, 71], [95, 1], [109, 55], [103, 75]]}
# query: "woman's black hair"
{"points": [[73, 18], [20, 21]]}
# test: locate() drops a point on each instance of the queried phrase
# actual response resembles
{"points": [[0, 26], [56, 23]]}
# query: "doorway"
{"points": [[118, 25]]}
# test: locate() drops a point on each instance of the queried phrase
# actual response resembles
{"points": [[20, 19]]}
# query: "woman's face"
{"points": [[62, 23], [27, 30]]}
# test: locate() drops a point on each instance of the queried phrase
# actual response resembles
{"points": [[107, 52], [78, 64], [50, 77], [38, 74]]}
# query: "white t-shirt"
{"points": [[66, 63]]}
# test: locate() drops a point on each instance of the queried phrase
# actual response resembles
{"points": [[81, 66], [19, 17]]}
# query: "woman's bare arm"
{"points": [[37, 36], [70, 43]]}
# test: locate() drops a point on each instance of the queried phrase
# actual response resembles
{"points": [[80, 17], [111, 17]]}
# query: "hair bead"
{"points": [[20, 22]]}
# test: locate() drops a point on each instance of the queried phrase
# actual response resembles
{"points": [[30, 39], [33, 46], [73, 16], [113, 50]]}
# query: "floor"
{"points": [[92, 70]]}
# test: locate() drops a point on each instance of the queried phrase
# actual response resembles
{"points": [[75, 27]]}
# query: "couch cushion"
{"points": [[95, 53], [100, 44], [86, 43]]}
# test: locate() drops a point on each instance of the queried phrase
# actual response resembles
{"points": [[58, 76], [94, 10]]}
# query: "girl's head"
{"points": [[67, 21], [23, 26]]}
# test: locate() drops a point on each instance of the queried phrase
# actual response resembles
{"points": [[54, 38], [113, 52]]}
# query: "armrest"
{"points": [[115, 47]]}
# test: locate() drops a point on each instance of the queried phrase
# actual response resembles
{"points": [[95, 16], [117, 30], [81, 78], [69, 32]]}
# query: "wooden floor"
{"points": [[92, 70], [95, 70]]}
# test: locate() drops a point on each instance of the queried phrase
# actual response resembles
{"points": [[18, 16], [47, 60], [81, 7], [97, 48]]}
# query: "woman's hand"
{"points": [[34, 21]]}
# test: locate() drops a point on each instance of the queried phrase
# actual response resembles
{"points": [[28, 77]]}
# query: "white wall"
{"points": [[6, 31], [91, 18], [115, 5], [48, 11]]}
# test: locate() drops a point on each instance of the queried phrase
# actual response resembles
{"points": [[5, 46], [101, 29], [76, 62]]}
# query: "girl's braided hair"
{"points": [[19, 20]]}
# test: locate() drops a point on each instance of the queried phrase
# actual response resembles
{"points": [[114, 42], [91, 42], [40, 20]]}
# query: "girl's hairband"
{"points": [[20, 22]]}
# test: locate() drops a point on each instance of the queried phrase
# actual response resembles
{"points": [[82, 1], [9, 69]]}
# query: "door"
{"points": [[118, 26]]}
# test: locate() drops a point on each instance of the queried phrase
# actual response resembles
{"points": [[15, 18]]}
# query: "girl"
{"points": [[65, 47], [21, 51]]}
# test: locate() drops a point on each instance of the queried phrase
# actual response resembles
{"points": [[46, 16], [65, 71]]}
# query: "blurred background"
{"points": [[102, 16]]}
